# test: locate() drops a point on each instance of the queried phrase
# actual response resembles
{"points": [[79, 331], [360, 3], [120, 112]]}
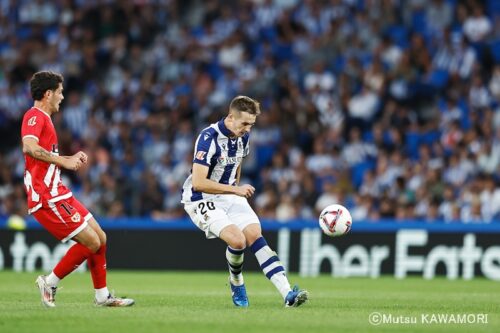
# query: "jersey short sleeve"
{"points": [[32, 126], [205, 148]]}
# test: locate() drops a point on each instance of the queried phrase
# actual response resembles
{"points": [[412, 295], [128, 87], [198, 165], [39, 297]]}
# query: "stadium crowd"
{"points": [[390, 107]]}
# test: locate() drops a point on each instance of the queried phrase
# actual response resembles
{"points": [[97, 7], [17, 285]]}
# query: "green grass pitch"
{"points": [[200, 302]]}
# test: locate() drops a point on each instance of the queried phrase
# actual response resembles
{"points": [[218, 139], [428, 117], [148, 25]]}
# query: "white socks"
{"points": [[235, 259], [281, 283], [101, 294], [52, 280], [271, 265]]}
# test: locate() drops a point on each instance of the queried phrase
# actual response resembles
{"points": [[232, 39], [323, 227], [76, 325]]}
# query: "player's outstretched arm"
{"points": [[33, 149], [203, 184], [80, 155]]}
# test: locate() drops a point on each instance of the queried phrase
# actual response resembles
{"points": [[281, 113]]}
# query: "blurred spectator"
{"points": [[439, 15], [494, 84], [390, 107], [478, 25]]}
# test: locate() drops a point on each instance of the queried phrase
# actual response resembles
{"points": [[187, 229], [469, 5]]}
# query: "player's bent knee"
{"points": [[238, 242], [89, 238], [97, 228], [94, 245], [252, 233], [103, 238]]}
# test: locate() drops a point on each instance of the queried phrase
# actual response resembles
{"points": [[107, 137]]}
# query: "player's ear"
{"points": [[234, 114]]}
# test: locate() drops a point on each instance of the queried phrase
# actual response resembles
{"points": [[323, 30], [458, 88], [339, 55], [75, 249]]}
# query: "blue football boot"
{"points": [[296, 297], [239, 294]]}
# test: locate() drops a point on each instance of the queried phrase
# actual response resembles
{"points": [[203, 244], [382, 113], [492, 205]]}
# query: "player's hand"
{"points": [[245, 190], [82, 156], [72, 163]]}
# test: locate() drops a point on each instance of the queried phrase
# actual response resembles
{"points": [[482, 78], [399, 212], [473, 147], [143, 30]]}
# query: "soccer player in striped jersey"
{"points": [[52, 203], [217, 203]]}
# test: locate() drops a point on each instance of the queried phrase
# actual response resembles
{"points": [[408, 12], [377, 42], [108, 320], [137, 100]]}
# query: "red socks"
{"points": [[97, 266], [71, 260], [74, 258]]}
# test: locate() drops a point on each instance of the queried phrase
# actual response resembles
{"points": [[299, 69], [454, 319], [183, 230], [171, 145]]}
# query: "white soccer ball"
{"points": [[335, 220]]}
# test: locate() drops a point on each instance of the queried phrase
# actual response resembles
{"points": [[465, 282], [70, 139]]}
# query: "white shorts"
{"points": [[214, 214]]}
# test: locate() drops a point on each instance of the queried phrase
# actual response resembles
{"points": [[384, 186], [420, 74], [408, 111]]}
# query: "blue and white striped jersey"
{"points": [[222, 154]]}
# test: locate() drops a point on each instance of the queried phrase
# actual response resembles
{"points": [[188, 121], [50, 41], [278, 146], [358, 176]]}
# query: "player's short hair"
{"points": [[43, 81], [245, 104]]}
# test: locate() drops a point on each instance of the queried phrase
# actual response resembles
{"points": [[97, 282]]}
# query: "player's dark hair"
{"points": [[245, 104], [43, 81]]}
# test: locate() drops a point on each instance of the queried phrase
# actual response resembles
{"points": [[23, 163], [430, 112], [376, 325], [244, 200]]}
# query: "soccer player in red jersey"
{"points": [[52, 203]]}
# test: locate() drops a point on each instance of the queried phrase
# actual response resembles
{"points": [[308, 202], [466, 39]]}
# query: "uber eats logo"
{"points": [[411, 254]]}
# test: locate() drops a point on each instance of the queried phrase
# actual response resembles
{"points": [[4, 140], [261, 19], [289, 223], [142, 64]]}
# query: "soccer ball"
{"points": [[335, 220]]}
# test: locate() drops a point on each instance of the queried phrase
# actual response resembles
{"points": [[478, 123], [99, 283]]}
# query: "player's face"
{"points": [[55, 98], [242, 122]]}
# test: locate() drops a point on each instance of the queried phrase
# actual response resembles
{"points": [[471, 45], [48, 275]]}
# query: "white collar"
{"points": [[45, 113]]}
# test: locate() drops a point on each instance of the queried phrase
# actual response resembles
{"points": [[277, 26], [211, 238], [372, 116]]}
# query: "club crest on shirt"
{"points": [[76, 217], [32, 121], [222, 160]]}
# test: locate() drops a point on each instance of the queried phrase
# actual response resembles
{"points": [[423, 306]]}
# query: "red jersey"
{"points": [[42, 180]]}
